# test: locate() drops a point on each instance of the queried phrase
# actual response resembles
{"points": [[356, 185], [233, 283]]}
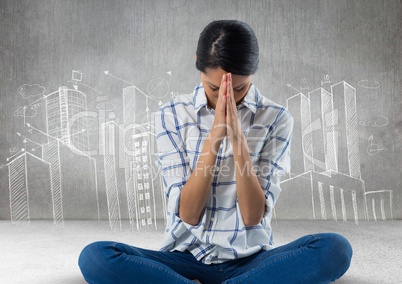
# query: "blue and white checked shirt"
{"points": [[182, 126]]}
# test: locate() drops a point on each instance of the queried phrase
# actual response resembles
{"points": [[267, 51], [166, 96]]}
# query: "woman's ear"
{"points": [[195, 57]]}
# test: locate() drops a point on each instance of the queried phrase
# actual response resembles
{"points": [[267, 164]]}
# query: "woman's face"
{"points": [[211, 81]]}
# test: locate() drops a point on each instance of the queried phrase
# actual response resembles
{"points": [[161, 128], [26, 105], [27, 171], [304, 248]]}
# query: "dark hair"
{"points": [[229, 44]]}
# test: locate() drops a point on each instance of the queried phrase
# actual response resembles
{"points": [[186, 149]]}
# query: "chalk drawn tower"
{"points": [[139, 177], [325, 164], [66, 119], [344, 101], [301, 162], [30, 188]]}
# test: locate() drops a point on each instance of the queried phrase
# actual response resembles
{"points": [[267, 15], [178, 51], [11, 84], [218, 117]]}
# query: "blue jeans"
{"points": [[319, 258]]}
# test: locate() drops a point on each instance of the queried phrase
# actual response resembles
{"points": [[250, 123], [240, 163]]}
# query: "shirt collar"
{"points": [[200, 99], [250, 100]]}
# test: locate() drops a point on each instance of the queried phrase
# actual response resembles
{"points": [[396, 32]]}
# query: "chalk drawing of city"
{"points": [[74, 170], [99, 163], [37, 176], [325, 171]]}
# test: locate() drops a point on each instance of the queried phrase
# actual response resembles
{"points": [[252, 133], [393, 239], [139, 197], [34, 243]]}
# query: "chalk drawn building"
{"points": [[110, 171], [30, 188], [66, 118], [143, 180], [117, 183], [127, 163], [139, 176], [325, 171], [59, 185], [59, 175], [379, 204], [73, 182]]}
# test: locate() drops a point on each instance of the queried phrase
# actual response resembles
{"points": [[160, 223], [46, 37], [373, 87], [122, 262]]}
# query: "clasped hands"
{"points": [[226, 122]]}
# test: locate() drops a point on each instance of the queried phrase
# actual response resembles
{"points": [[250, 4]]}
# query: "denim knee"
{"points": [[344, 248], [90, 252], [91, 260], [338, 254]]}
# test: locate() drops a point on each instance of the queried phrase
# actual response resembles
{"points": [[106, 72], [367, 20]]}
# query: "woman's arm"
{"points": [[250, 195], [195, 192]]}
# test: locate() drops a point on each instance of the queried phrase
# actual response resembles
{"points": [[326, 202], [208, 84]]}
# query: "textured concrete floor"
{"points": [[42, 253]]}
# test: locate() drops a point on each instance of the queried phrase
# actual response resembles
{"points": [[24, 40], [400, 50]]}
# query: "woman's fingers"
{"points": [[231, 103], [230, 90], [220, 106], [229, 107], [227, 94], [219, 127], [231, 110], [222, 88]]}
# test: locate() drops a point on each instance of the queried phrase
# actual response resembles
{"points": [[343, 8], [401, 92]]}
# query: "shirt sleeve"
{"points": [[171, 155], [275, 158]]}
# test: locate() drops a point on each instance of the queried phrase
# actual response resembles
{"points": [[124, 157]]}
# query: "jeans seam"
{"points": [[249, 274], [160, 259], [145, 262]]}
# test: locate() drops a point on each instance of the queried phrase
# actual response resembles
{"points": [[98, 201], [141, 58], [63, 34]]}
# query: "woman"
{"points": [[222, 150]]}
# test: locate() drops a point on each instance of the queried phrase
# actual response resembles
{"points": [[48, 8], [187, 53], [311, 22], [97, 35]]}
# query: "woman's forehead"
{"points": [[214, 77]]}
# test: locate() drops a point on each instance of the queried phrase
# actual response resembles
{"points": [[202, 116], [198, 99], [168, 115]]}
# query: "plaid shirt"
{"points": [[182, 126]]}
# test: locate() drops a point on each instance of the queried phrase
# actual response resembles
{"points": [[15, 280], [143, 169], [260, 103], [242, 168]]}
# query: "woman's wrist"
{"points": [[215, 139], [239, 145]]}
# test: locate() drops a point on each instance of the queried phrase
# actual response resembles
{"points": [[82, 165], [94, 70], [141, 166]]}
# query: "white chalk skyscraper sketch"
{"points": [[344, 101], [18, 187], [323, 121], [112, 193], [61, 178], [72, 175], [29, 190], [129, 98], [52, 155], [143, 179], [331, 182], [302, 161], [65, 119], [58, 173], [73, 181], [137, 160]]}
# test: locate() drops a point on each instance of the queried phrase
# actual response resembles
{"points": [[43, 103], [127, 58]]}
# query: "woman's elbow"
{"points": [[250, 221], [190, 221], [189, 218]]}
